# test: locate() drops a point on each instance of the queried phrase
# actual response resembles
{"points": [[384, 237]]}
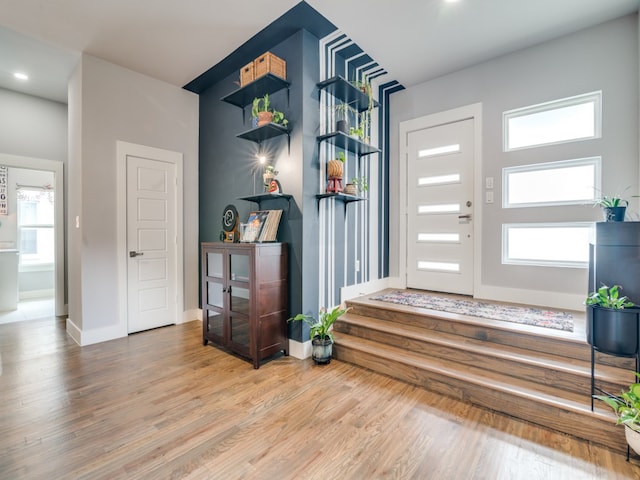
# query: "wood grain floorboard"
{"points": [[159, 405]]}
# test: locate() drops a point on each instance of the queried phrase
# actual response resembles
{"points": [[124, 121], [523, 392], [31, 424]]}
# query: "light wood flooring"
{"points": [[159, 405]]}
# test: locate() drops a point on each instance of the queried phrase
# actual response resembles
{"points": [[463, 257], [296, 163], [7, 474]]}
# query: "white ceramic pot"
{"points": [[633, 439]]}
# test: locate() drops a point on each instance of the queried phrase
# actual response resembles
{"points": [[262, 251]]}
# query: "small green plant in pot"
{"points": [[612, 321], [613, 208], [320, 332], [627, 408]]}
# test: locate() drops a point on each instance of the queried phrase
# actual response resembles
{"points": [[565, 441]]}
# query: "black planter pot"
{"points": [[321, 350], [342, 126], [613, 331], [614, 214]]}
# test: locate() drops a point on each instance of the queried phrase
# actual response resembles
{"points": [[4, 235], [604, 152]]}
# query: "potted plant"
{"points": [[260, 110], [342, 111], [357, 184], [627, 408], [613, 208], [612, 322], [320, 332]]}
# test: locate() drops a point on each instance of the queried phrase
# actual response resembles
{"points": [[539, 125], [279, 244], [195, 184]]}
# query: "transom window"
{"points": [[565, 120], [567, 182]]}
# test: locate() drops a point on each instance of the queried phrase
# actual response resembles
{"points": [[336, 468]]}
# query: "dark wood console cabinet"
{"points": [[244, 298]]}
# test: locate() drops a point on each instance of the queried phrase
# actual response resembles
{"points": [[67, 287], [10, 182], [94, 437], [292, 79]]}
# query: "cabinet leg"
{"points": [[205, 342]]}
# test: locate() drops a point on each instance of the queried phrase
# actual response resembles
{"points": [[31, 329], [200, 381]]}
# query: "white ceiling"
{"points": [[175, 41]]}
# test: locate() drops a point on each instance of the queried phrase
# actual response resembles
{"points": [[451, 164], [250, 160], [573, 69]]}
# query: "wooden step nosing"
{"points": [[503, 385]]}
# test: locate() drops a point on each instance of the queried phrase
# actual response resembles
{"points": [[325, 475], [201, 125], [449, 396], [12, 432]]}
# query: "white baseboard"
{"points": [[360, 289], [97, 335], [299, 350], [541, 298]]}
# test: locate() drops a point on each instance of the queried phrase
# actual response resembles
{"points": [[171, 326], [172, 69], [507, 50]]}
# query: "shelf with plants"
{"points": [[348, 93], [268, 84], [262, 197], [349, 142], [340, 197], [264, 132]]}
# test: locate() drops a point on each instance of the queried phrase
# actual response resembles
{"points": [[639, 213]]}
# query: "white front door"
{"points": [[151, 243], [440, 239]]}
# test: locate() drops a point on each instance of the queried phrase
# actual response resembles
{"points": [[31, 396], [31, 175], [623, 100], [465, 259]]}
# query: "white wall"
{"points": [[108, 103], [32, 127], [604, 58]]}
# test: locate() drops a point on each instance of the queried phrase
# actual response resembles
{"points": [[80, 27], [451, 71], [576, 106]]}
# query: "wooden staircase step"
{"points": [[544, 405], [544, 368], [496, 332]]}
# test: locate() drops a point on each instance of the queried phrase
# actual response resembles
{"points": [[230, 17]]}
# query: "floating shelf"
{"points": [[347, 142], [259, 198], [244, 96], [265, 132], [345, 91], [341, 197]]}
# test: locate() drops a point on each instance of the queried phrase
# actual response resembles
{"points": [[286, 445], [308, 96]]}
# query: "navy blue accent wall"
{"points": [[229, 168]]}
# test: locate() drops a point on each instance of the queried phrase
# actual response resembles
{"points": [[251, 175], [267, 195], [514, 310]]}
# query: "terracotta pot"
{"points": [[264, 118], [335, 168]]}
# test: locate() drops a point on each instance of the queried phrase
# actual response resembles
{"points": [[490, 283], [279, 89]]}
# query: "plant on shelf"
{"points": [[263, 114], [612, 321], [627, 409], [320, 332], [342, 111], [335, 170], [365, 87], [360, 183], [613, 208]]}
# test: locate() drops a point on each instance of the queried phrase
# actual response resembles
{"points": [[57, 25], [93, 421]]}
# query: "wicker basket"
{"points": [[269, 63], [246, 74]]}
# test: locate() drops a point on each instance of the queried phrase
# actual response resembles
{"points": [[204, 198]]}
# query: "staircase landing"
{"points": [[538, 374]]}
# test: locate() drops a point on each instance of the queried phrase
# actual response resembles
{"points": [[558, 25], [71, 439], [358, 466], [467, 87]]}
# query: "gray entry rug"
{"points": [[525, 315]]}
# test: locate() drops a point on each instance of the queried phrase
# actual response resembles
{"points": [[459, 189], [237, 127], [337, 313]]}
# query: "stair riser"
{"points": [[578, 382], [587, 427], [488, 333]]}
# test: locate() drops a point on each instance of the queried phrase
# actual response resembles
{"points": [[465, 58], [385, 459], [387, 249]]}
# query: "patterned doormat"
{"points": [[526, 315]]}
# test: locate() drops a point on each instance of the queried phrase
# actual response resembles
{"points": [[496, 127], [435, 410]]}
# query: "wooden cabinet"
{"points": [[244, 298]]}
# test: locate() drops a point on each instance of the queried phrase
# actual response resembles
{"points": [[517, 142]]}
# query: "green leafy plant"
{"points": [[343, 110], [321, 327], [260, 104], [278, 117], [611, 202], [626, 405], [609, 298], [340, 156], [360, 183]]}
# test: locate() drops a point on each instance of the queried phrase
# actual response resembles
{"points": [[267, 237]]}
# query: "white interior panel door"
{"points": [[151, 243], [440, 209]]}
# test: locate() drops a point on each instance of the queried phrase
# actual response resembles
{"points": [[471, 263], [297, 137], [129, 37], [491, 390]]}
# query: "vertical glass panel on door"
{"points": [[214, 265], [214, 323], [239, 326], [240, 300], [239, 267], [214, 294]]}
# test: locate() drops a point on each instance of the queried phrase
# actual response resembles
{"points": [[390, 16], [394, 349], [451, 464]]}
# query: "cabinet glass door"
{"points": [[239, 266], [215, 321], [214, 264]]}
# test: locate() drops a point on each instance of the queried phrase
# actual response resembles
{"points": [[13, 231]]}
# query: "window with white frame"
{"points": [[559, 121], [566, 182], [546, 244], [35, 226]]}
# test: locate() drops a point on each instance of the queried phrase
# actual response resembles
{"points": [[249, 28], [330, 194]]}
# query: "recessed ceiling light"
{"points": [[21, 76]]}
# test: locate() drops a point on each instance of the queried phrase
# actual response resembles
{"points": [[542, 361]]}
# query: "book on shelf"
{"points": [[261, 226]]}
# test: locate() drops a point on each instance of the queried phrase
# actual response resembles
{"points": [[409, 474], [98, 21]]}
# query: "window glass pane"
{"points": [[439, 266], [439, 180], [546, 244], [442, 208], [35, 226], [569, 119], [430, 152], [439, 237], [556, 183]]}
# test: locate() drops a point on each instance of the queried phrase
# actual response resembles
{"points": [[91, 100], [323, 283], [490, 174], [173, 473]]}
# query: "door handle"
{"points": [[468, 216], [135, 254]]}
